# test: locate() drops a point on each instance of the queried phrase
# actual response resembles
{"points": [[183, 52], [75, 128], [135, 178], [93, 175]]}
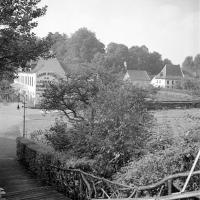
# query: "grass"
{"points": [[173, 95], [177, 122]]}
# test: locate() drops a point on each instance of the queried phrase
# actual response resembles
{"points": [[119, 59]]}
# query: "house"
{"points": [[33, 83], [137, 77], [170, 77]]}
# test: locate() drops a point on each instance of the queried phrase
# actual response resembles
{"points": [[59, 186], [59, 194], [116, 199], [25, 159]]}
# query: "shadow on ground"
{"points": [[7, 148]]}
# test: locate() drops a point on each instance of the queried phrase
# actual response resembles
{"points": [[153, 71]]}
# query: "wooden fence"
{"points": [[82, 185]]}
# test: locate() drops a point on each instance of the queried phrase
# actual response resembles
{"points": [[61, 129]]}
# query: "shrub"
{"points": [[110, 122], [178, 156]]}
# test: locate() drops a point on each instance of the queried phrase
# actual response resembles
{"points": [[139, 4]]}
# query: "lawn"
{"points": [[176, 122], [174, 95]]}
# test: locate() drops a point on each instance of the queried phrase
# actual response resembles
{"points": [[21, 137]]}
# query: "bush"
{"points": [[192, 85], [110, 119], [177, 156]]}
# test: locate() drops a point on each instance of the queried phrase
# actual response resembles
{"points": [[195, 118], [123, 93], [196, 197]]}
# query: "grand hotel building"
{"points": [[32, 84]]}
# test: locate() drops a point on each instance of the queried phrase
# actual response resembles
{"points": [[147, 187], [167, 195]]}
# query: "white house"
{"points": [[137, 77], [169, 77], [33, 83]]}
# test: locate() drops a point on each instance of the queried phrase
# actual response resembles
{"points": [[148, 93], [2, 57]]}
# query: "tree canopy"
{"points": [[191, 66], [18, 43], [82, 46], [109, 118]]}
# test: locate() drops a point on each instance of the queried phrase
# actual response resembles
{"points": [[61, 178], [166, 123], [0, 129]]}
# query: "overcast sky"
{"points": [[170, 27]]}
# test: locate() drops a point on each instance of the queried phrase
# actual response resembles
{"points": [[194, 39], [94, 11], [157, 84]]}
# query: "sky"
{"points": [[170, 27]]}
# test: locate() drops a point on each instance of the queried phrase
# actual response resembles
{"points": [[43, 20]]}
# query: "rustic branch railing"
{"points": [[81, 185]]}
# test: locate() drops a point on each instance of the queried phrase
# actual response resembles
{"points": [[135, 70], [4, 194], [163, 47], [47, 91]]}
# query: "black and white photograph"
{"points": [[99, 99]]}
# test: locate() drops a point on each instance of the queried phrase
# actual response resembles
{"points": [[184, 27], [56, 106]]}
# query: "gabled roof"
{"points": [[50, 63], [137, 75], [170, 72]]}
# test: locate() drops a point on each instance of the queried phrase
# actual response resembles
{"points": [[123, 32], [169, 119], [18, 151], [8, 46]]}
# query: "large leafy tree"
{"points": [[116, 56], [197, 65], [59, 46], [82, 46], [18, 43], [188, 65], [109, 118], [141, 59]]}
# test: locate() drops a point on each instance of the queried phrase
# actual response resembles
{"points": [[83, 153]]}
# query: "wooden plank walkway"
{"points": [[18, 183]]}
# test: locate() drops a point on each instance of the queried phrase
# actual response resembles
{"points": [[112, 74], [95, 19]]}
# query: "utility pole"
{"points": [[24, 114], [24, 119]]}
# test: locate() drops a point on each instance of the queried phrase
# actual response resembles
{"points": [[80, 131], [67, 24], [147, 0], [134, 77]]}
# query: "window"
{"points": [[167, 82], [172, 82]]}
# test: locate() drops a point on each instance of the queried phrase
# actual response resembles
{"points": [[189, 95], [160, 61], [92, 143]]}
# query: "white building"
{"points": [[169, 77], [32, 84]]}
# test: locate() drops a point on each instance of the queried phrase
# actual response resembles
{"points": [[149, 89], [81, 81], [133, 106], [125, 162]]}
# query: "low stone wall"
{"points": [[44, 163], [74, 180]]}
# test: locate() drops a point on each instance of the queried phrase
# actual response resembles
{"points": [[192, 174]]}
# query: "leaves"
{"points": [[109, 117], [18, 44]]}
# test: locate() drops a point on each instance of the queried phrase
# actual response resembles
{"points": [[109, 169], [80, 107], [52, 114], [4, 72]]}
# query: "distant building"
{"points": [[169, 77], [137, 77], [33, 83]]}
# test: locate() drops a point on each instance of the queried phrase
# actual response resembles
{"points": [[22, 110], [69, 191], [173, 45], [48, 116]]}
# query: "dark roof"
{"points": [[170, 71], [137, 75], [51, 62]]}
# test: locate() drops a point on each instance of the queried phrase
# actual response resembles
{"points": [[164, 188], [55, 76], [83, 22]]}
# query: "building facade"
{"points": [[170, 77], [32, 84]]}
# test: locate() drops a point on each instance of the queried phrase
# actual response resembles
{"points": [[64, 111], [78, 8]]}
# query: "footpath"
{"points": [[17, 182]]}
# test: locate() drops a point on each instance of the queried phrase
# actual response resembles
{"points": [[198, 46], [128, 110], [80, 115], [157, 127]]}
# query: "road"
{"points": [[11, 120]]}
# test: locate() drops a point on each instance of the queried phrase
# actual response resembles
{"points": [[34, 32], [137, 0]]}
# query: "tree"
{"points": [[141, 59], [116, 56], [188, 65], [155, 63], [109, 118], [167, 61], [18, 44], [82, 46], [197, 65], [59, 45]]}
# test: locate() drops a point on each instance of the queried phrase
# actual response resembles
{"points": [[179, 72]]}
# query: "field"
{"points": [[174, 95], [176, 122]]}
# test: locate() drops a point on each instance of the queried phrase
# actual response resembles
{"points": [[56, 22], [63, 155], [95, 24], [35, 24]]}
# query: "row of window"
{"points": [[27, 80], [172, 82], [168, 82]]}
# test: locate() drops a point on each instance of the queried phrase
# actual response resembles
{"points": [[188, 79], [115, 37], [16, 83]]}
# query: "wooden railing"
{"points": [[81, 185]]}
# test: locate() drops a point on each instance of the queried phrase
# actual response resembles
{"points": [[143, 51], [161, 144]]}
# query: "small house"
{"points": [[170, 77]]}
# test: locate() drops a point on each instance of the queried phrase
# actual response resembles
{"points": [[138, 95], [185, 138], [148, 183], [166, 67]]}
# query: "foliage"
{"points": [[110, 119], [191, 66], [59, 45], [166, 155], [116, 56], [140, 58], [82, 46], [191, 84], [18, 44], [6, 91]]}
